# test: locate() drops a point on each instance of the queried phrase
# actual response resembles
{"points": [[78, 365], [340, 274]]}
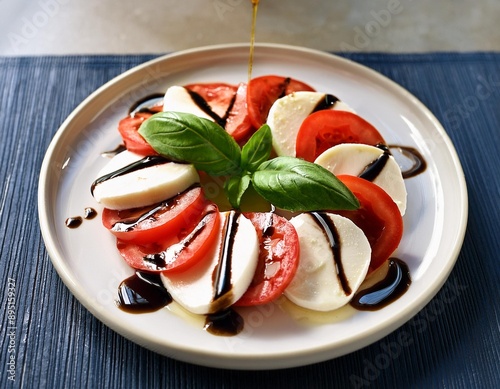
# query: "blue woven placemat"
{"points": [[50, 341]]}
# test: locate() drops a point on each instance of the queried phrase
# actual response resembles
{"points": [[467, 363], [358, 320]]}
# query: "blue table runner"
{"points": [[49, 340]]}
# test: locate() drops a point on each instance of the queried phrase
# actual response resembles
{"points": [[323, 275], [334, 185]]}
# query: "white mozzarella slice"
{"points": [[353, 159], [178, 99], [287, 114], [317, 283], [196, 288], [142, 187]]}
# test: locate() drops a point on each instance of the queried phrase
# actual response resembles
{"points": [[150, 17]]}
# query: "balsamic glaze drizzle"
{"points": [[145, 104], [143, 292], [224, 323], [373, 169], [396, 283], [131, 218], [284, 86], [222, 276], [327, 102], [130, 223], [159, 261], [74, 222], [418, 162], [89, 213], [205, 107], [330, 231], [143, 163], [111, 153]]}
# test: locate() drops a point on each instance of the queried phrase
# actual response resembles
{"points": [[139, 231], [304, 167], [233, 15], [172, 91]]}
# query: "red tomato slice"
{"points": [[134, 142], [263, 91], [219, 96], [175, 253], [278, 258], [238, 123], [327, 128], [150, 224], [378, 216]]}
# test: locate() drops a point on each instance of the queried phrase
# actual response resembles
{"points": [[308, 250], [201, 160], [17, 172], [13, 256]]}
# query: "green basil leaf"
{"points": [[235, 187], [188, 138], [257, 150], [297, 185]]}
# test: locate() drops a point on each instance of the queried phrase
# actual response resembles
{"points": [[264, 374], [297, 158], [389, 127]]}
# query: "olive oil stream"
{"points": [[255, 6]]}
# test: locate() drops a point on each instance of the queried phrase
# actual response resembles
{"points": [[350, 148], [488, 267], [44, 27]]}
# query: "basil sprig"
{"points": [[189, 138], [286, 182], [298, 185]]}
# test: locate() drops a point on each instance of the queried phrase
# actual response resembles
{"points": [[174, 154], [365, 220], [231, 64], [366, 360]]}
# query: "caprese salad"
{"points": [[333, 196]]}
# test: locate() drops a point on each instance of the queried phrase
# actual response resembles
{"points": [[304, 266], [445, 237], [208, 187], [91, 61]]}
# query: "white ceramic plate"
{"points": [[88, 263]]}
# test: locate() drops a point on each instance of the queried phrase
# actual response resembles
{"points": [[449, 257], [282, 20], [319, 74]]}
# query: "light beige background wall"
{"points": [[157, 26]]}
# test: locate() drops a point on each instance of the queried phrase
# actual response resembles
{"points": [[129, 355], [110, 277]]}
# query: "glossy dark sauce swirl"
{"points": [[394, 285], [143, 292], [418, 161], [327, 102]]}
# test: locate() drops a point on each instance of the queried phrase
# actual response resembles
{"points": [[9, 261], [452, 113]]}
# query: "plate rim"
{"points": [[283, 359]]}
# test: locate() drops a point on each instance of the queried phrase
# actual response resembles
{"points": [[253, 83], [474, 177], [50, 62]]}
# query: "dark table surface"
{"points": [[51, 341]]}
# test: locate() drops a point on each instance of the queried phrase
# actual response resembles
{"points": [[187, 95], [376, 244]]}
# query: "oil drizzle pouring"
{"points": [[255, 6]]}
